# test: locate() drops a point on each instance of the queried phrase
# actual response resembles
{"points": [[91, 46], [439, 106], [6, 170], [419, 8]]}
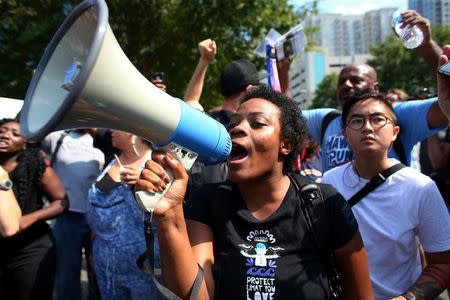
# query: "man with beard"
{"points": [[418, 119]]}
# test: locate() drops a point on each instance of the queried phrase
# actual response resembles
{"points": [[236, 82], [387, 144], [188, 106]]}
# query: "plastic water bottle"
{"points": [[411, 37]]}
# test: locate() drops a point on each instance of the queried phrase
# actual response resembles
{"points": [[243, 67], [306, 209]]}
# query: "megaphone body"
{"points": [[84, 80]]}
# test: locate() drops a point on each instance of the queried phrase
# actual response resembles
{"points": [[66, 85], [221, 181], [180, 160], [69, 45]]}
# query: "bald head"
{"points": [[354, 78]]}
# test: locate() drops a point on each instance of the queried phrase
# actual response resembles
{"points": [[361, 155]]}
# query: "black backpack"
{"points": [[312, 205]]}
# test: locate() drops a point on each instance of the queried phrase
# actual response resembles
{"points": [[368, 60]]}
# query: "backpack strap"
{"points": [[146, 263], [326, 121], [375, 182], [58, 145], [312, 205]]}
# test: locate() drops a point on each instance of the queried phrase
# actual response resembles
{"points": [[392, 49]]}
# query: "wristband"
{"points": [[6, 185], [409, 296]]}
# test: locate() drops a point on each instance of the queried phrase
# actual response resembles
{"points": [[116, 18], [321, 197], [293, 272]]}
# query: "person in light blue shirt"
{"points": [[412, 117], [418, 119]]}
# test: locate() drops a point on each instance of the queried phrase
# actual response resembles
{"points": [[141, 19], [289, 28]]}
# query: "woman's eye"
{"points": [[257, 124]]}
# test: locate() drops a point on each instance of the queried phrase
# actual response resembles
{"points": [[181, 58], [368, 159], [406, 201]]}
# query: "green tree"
{"points": [[156, 35], [398, 67], [25, 29], [325, 95]]}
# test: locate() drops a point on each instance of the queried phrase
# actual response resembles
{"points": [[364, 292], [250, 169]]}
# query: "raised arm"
{"points": [[438, 152], [429, 49], [208, 50], [10, 212], [444, 84], [178, 261], [283, 67], [439, 112], [431, 52]]}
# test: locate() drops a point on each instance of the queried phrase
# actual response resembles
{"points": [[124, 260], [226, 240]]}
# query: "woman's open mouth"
{"points": [[238, 152], [4, 143]]}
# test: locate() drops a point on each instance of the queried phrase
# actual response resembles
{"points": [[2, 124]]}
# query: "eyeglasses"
{"points": [[377, 121]]}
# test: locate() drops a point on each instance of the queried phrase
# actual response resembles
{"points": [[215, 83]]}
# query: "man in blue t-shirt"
{"points": [[417, 119]]}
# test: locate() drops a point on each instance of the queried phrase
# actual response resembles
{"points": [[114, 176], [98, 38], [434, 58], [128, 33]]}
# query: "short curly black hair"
{"points": [[293, 124], [363, 95]]}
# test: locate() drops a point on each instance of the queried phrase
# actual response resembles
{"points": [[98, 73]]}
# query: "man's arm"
{"points": [[438, 152], [283, 67], [10, 212], [444, 85], [439, 112], [434, 279], [194, 89], [429, 49]]}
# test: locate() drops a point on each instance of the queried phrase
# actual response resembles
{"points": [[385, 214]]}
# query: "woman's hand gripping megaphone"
{"points": [[162, 183]]}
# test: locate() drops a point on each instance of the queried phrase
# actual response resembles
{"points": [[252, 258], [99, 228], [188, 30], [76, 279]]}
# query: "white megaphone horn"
{"points": [[85, 80]]}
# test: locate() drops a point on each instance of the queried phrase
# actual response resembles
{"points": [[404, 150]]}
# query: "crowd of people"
{"points": [[311, 204]]}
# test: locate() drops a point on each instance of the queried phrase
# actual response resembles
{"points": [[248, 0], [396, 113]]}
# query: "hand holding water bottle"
{"points": [[413, 29]]}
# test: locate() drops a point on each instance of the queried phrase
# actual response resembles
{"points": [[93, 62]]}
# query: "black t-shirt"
{"points": [[270, 259], [200, 173], [222, 116]]}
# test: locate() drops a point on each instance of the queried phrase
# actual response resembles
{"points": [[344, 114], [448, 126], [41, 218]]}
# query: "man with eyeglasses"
{"points": [[418, 119], [376, 120]]}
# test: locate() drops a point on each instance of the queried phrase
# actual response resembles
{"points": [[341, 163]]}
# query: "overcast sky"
{"points": [[353, 7]]}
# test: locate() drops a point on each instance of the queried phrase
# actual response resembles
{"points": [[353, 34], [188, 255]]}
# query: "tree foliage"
{"points": [[156, 35], [325, 94], [398, 67]]}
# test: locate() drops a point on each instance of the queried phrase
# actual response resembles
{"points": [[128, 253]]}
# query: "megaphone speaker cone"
{"points": [[85, 80]]}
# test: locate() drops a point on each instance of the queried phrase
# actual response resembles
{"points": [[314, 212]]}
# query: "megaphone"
{"points": [[85, 80]]}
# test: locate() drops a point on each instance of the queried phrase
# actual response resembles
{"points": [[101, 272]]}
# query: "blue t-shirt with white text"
{"points": [[411, 117]]}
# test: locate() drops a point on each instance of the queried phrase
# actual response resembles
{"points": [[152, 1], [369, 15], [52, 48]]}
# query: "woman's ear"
{"points": [[286, 147]]}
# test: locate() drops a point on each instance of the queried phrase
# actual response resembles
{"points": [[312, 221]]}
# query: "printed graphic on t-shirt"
{"points": [[337, 150], [261, 253]]}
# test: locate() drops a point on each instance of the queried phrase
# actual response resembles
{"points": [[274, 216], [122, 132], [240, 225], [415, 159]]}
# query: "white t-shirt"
{"points": [[406, 207], [77, 164]]}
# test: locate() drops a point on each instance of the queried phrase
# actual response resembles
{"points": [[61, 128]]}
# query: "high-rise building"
{"points": [[342, 39], [351, 34], [437, 11], [339, 34], [309, 69], [377, 25]]}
